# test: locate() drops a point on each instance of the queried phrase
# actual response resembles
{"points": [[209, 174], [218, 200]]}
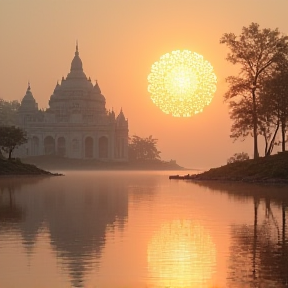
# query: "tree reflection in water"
{"points": [[10, 212], [14, 214], [258, 252]]}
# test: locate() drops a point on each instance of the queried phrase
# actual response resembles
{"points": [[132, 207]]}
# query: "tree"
{"points": [[143, 149], [238, 157], [275, 99], [8, 112], [10, 138], [258, 52]]}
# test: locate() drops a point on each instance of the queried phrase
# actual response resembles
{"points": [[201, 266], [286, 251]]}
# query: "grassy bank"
{"points": [[272, 169], [16, 167]]}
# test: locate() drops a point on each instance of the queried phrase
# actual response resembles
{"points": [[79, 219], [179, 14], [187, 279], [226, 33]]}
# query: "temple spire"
{"points": [[76, 64], [77, 52], [97, 88]]}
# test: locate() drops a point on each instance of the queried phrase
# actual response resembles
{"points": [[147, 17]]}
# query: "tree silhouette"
{"points": [[8, 112], [10, 138], [257, 52], [275, 100], [143, 149]]}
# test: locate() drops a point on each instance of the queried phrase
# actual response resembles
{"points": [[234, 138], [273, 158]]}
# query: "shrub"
{"points": [[238, 157]]}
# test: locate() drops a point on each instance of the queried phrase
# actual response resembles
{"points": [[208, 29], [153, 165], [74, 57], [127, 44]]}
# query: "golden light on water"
{"points": [[182, 83], [181, 255]]}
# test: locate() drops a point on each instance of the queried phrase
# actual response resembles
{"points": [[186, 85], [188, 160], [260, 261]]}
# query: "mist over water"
{"points": [[140, 229]]}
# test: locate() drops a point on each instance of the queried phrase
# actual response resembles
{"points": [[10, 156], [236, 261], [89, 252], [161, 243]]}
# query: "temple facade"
{"points": [[76, 123]]}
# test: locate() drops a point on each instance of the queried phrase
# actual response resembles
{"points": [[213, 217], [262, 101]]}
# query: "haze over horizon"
{"points": [[118, 43]]}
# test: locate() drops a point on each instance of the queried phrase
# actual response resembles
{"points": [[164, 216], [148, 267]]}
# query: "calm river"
{"points": [[141, 230]]}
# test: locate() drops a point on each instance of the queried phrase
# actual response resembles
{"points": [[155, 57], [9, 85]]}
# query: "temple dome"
{"points": [[28, 96], [28, 102], [121, 121], [76, 87], [76, 70]]}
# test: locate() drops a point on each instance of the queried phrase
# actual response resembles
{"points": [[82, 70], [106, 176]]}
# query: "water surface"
{"points": [[140, 230]]}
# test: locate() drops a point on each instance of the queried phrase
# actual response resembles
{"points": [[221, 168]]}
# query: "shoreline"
{"points": [[60, 163], [195, 178], [15, 168], [267, 170], [31, 175], [52, 166]]}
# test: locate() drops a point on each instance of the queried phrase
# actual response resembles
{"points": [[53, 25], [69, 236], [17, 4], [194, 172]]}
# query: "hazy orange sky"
{"points": [[119, 40]]}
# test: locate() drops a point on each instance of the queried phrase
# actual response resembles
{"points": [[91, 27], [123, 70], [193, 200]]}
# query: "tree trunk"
{"points": [[272, 141], [256, 204], [283, 126], [255, 132], [283, 224], [266, 143], [10, 154]]}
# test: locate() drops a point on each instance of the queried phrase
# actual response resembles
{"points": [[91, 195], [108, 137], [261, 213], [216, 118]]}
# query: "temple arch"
{"points": [[103, 147], [49, 145], [61, 146], [89, 147]]}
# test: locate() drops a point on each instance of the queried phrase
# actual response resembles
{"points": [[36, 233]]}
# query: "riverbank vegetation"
{"points": [[271, 169], [15, 167]]}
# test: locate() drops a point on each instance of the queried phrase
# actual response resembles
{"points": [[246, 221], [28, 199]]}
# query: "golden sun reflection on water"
{"points": [[181, 255]]}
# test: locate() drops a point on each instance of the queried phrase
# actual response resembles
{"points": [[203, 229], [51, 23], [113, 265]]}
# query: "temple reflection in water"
{"points": [[76, 231], [76, 217]]}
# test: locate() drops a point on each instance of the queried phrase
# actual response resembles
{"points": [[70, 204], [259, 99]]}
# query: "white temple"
{"points": [[76, 124]]}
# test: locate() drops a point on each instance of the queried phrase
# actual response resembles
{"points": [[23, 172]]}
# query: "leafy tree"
{"points": [[257, 52], [275, 99], [10, 138], [8, 112], [238, 157], [241, 114], [142, 149]]}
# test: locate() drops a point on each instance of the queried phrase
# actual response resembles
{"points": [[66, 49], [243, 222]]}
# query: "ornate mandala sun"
{"points": [[182, 83]]}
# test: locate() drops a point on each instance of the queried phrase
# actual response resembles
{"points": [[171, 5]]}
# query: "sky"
{"points": [[119, 40]]}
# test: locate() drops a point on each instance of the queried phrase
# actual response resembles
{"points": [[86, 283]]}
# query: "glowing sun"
{"points": [[182, 83]]}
